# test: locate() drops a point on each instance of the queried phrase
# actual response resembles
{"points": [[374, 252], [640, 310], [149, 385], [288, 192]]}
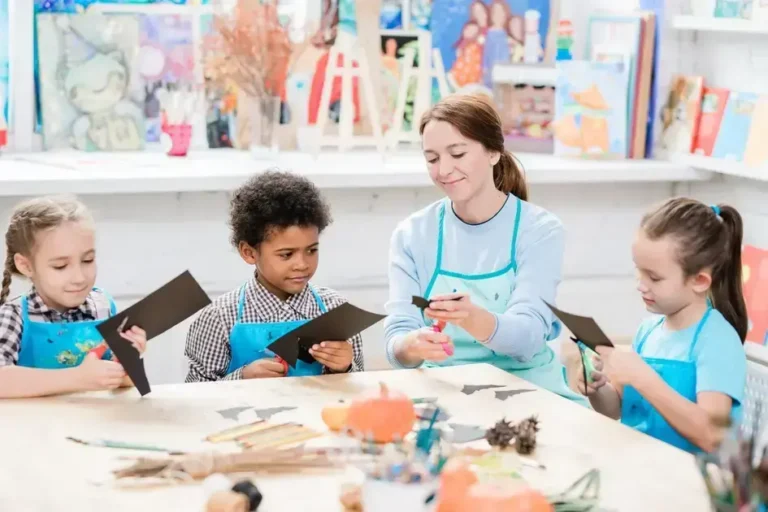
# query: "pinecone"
{"points": [[525, 441], [501, 434]]}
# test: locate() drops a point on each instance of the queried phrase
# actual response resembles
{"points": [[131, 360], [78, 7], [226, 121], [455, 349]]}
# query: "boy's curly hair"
{"points": [[275, 199]]}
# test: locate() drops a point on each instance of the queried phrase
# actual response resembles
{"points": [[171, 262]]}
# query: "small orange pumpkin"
{"points": [[494, 497], [384, 417], [335, 415], [456, 478]]}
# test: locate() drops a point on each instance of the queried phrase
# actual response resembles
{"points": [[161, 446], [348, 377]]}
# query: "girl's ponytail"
{"points": [[8, 270], [508, 176], [727, 293]]}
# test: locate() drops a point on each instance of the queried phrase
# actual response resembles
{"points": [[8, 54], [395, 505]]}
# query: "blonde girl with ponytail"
{"points": [[48, 337]]}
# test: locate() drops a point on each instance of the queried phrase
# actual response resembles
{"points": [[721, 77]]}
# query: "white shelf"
{"points": [[224, 170], [722, 166], [529, 74], [712, 24]]}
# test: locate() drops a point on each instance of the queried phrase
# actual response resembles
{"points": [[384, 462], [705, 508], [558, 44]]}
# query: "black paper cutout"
{"points": [[159, 311], [233, 412], [466, 433], [584, 328], [469, 389], [266, 414], [503, 395], [422, 303], [338, 324]]}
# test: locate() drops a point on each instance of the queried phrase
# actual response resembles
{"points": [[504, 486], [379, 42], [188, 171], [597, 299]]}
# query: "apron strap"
{"points": [[439, 256], [513, 249], [318, 300], [698, 331], [240, 305], [645, 336], [24, 310]]}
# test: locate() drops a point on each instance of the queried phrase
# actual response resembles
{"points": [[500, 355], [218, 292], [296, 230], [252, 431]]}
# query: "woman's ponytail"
{"points": [[508, 176]]}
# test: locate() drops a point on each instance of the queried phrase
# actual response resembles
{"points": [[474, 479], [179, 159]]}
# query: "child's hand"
{"points": [[336, 355], [264, 369], [138, 338], [95, 374], [599, 379], [623, 367], [427, 345]]}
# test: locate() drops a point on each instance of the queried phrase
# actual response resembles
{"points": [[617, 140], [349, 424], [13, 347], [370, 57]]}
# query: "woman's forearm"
{"points": [[23, 382]]}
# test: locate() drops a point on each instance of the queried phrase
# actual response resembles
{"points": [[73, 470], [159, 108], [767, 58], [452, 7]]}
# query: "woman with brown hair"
{"points": [[484, 257]]}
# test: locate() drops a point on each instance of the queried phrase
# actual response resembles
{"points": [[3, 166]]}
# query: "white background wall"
{"points": [[144, 240]]}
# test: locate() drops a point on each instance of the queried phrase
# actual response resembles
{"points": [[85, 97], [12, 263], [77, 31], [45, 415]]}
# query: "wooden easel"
{"points": [[430, 67], [346, 139]]}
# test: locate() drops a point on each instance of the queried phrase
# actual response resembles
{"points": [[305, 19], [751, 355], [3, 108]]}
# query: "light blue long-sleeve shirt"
{"points": [[522, 330]]}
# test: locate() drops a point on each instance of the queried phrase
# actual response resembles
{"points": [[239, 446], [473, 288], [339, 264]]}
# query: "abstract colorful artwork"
{"points": [[91, 94], [4, 68]]}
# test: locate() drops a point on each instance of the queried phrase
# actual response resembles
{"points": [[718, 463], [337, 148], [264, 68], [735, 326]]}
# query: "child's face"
{"points": [[661, 281], [287, 259], [460, 166], [471, 32], [62, 265]]}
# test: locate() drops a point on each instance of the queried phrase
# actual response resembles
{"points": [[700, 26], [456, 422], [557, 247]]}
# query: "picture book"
{"points": [[731, 8], [624, 33], [754, 267], [90, 87], [657, 8], [713, 103], [680, 114], [166, 56], [474, 35], [756, 152], [734, 129], [590, 109]]}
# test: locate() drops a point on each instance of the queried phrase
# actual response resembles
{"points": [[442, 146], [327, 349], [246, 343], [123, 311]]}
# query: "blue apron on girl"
{"points": [[56, 345], [249, 341], [680, 375], [493, 292]]}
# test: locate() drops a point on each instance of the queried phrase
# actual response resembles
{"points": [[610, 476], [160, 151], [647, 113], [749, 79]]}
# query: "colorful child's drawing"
{"points": [[526, 114], [166, 56], [4, 67], [590, 109], [393, 47], [90, 92], [391, 14], [221, 104], [474, 35], [680, 115]]}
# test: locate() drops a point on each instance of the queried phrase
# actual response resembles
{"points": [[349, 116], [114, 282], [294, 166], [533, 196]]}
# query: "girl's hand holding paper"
{"points": [[624, 367], [138, 338], [596, 378]]}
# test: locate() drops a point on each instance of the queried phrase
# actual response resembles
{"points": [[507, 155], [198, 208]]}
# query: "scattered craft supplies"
{"points": [[340, 323], [162, 309], [122, 445], [262, 434]]}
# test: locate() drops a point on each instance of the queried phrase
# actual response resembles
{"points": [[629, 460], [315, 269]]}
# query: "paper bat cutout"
{"points": [[503, 395], [233, 412], [466, 433], [422, 303], [468, 390], [340, 323], [266, 414], [585, 329], [162, 309]]}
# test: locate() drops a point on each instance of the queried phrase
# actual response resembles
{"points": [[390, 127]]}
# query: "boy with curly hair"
{"points": [[276, 220]]}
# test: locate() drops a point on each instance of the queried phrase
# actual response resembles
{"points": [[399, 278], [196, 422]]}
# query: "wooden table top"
{"points": [[40, 470]]}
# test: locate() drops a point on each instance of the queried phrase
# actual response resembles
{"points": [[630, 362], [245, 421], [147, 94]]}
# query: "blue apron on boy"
{"points": [[493, 292], [680, 375], [249, 341], [56, 345]]}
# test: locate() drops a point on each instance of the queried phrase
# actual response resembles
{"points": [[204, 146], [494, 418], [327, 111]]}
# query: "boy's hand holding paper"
{"points": [[264, 369], [336, 355]]}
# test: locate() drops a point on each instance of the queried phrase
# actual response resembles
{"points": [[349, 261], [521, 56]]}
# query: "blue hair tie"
{"points": [[716, 209]]}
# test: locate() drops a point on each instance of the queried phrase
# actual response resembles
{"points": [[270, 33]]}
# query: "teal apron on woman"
{"points": [[680, 375], [493, 292], [249, 341], [56, 345]]}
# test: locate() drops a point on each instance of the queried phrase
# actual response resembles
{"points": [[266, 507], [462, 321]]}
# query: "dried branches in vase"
{"points": [[250, 49]]}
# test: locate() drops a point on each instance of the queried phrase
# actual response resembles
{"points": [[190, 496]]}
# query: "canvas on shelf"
{"points": [[91, 94], [681, 113]]}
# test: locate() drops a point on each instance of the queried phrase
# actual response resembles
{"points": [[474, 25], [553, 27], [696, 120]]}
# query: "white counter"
{"points": [[224, 170]]}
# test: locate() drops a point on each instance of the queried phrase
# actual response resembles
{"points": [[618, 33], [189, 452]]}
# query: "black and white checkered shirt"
{"points": [[208, 348], [95, 307]]}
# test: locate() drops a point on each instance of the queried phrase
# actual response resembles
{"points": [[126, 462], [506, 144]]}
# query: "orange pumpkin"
{"points": [[455, 480], [383, 417], [335, 415], [494, 497]]}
